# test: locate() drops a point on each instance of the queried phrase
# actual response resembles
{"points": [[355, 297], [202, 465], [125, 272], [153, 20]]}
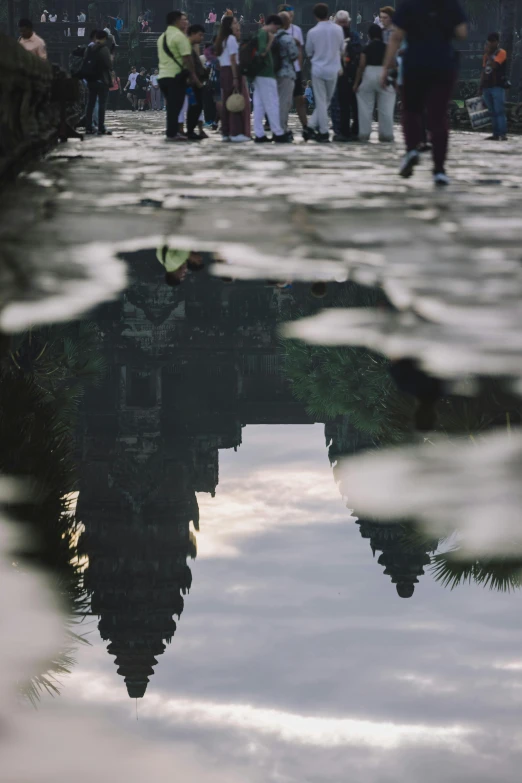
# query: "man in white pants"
{"points": [[266, 99], [324, 47]]}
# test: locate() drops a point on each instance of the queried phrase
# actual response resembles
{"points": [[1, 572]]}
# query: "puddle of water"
{"points": [[263, 527]]}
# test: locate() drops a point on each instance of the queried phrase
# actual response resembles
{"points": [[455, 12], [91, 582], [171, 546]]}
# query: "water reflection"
{"points": [[169, 375]]}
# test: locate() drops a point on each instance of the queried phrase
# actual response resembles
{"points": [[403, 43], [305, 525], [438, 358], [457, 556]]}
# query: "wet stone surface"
{"points": [[451, 257]]}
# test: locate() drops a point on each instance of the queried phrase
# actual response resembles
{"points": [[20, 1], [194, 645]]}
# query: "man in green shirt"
{"points": [[266, 99], [175, 60]]}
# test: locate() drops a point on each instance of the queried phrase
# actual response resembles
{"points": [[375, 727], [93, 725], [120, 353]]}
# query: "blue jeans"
{"points": [[494, 100]]}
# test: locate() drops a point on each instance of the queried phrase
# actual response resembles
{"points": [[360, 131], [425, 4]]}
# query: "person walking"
{"points": [[430, 70], [324, 47], [266, 99], [235, 126], [98, 65], [141, 88], [130, 88], [155, 92], [286, 75], [385, 22], [492, 86], [175, 59], [344, 110], [30, 41], [370, 91]]}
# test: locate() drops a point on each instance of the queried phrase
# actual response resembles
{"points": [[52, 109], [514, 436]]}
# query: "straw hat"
{"points": [[235, 103]]}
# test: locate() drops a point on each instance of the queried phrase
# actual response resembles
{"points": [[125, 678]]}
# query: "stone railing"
{"points": [[38, 103], [25, 89]]}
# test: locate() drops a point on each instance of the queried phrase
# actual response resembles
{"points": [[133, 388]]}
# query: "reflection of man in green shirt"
{"points": [[266, 99], [175, 263]]}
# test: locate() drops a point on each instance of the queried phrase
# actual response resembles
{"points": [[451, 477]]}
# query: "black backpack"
{"points": [[76, 58], [250, 62], [90, 70], [352, 57], [276, 55]]}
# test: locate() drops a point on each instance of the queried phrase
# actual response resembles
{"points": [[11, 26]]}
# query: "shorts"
{"points": [[298, 86]]}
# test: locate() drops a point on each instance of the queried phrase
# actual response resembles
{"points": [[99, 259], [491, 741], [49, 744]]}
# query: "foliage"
{"points": [[497, 573], [351, 381], [61, 360], [41, 381]]}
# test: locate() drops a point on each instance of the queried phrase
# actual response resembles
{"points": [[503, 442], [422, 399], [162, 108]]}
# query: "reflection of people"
{"points": [[175, 263], [178, 262]]}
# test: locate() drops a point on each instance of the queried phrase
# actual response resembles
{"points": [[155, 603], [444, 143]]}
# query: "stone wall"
{"points": [[26, 120]]}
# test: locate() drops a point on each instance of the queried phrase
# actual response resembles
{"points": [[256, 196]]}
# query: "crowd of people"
{"points": [[408, 54]]}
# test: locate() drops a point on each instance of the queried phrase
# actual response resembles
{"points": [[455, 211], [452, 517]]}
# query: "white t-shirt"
{"points": [[132, 81], [324, 46], [297, 33], [154, 80], [53, 18], [231, 47]]}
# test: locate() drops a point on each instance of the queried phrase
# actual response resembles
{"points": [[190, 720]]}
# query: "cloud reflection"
{"points": [[289, 727]]}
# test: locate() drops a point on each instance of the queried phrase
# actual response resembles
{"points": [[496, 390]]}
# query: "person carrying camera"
{"points": [[493, 84]]}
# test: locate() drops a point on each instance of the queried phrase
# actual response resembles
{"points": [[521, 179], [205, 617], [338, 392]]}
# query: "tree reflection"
{"points": [[42, 378]]}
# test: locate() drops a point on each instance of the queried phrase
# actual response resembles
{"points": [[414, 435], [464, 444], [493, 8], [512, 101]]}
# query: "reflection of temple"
{"points": [[404, 551], [188, 368]]}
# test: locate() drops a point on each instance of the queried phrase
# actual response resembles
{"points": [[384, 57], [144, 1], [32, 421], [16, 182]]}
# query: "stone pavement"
{"points": [[450, 260]]}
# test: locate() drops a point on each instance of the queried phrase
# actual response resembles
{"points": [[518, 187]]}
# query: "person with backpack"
{"points": [[344, 111], [492, 86], [430, 67], [235, 126], [286, 74], [97, 68], [261, 66], [176, 69], [325, 47]]}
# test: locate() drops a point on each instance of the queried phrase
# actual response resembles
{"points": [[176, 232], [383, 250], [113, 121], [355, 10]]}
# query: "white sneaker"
{"points": [[225, 138], [409, 162], [441, 179], [240, 138]]}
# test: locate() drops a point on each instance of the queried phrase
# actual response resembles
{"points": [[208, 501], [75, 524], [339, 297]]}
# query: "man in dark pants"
{"points": [[196, 36], [347, 125], [98, 65], [175, 59]]}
